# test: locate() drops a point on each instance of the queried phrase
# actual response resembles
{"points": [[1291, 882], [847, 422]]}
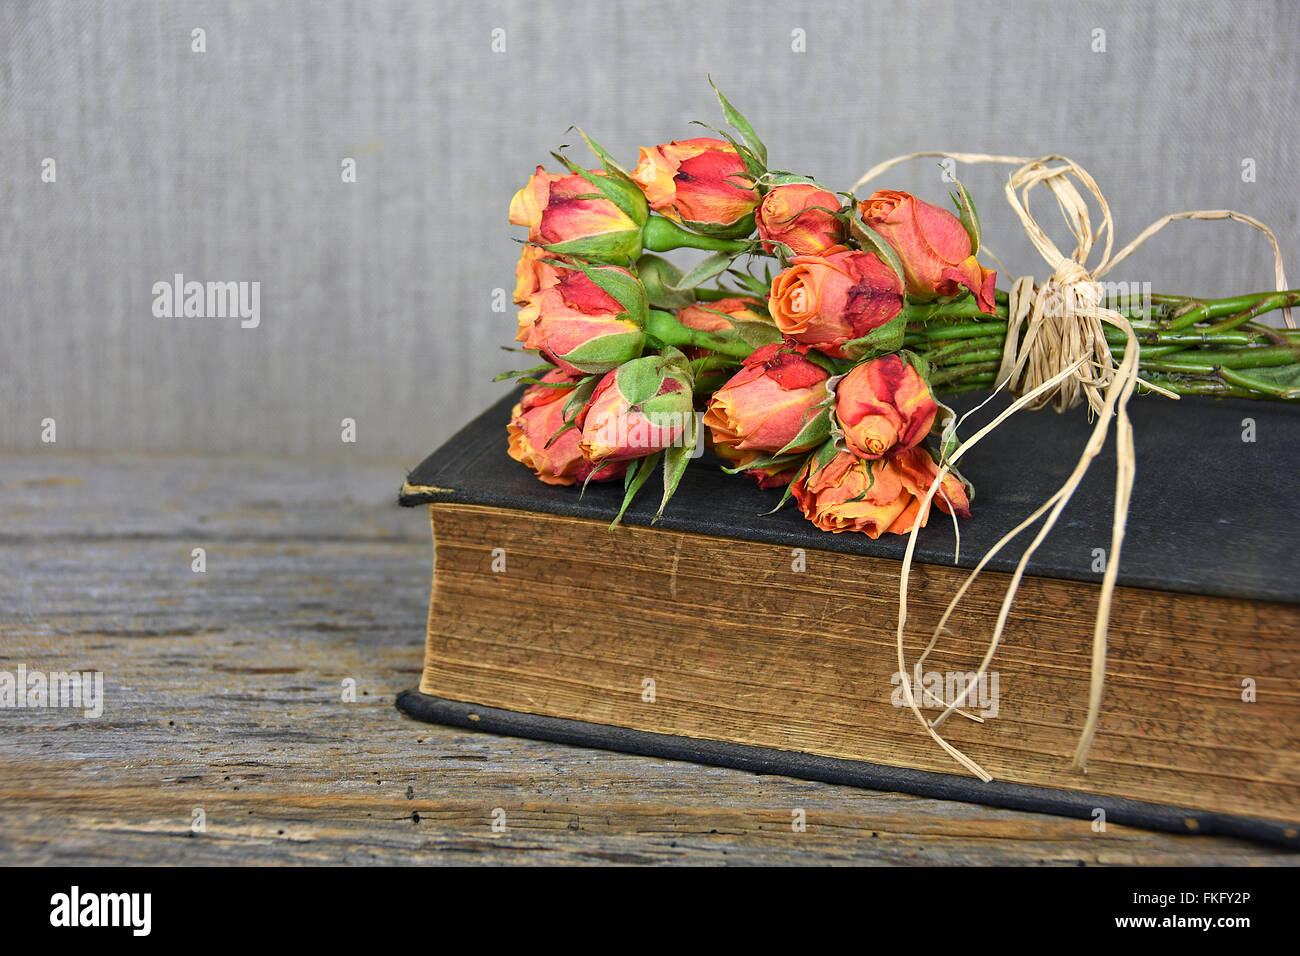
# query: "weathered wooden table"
{"points": [[226, 736]]}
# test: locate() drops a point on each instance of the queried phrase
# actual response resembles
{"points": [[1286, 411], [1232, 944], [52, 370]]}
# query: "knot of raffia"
{"points": [[1063, 329], [1062, 320]]}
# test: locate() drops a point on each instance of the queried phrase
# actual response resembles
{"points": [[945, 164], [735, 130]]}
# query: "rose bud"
{"points": [[765, 405], [827, 301], [579, 326], [536, 270], [852, 494], [726, 316], [884, 406], [721, 316], [567, 215], [700, 183], [638, 409], [776, 475], [797, 215], [933, 245], [534, 423]]}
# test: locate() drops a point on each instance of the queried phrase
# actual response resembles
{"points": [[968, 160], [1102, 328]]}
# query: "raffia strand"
{"points": [[1056, 353]]}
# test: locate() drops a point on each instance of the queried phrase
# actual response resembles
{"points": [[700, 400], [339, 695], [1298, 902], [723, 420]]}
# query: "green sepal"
{"points": [[705, 270], [740, 229], [763, 461], [627, 290], [882, 341], [627, 196], [662, 282], [785, 496], [755, 285], [970, 218], [516, 373], [814, 431], [606, 352], [622, 246], [638, 380], [871, 482], [581, 395], [776, 178], [676, 459], [756, 334], [673, 363], [618, 189], [632, 481], [784, 252], [827, 364], [606, 159], [918, 362], [670, 409], [560, 431], [823, 456], [872, 242], [738, 122], [755, 170], [531, 380]]}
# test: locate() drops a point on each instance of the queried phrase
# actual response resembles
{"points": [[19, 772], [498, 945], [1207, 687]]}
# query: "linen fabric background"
{"points": [[377, 296]]}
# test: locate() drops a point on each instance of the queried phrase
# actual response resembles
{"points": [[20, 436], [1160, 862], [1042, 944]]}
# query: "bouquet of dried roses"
{"points": [[823, 377], [823, 374]]}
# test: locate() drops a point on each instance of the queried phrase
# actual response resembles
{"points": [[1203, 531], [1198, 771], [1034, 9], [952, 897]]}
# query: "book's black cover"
{"points": [[1213, 512]]}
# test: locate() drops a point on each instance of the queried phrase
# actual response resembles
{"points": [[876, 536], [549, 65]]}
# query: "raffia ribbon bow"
{"points": [[1063, 358], [1063, 330]]}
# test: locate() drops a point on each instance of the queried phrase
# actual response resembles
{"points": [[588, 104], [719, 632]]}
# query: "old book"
{"points": [[728, 637]]}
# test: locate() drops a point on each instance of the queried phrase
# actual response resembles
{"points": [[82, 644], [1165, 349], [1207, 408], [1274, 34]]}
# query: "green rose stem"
{"points": [[1189, 346], [1202, 362], [663, 235], [665, 327], [1212, 387], [1232, 312], [953, 352], [961, 378], [1222, 373], [1169, 313]]}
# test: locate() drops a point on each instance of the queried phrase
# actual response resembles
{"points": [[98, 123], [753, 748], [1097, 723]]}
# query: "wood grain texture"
{"points": [[223, 693], [743, 648]]}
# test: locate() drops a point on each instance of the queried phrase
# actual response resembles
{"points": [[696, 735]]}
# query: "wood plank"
{"points": [[223, 693]]}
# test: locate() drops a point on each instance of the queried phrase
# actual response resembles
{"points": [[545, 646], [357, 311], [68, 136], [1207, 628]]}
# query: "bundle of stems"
{"points": [[1189, 346]]}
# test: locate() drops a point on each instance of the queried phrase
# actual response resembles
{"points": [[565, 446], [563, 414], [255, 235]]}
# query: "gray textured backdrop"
{"points": [[376, 296]]}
